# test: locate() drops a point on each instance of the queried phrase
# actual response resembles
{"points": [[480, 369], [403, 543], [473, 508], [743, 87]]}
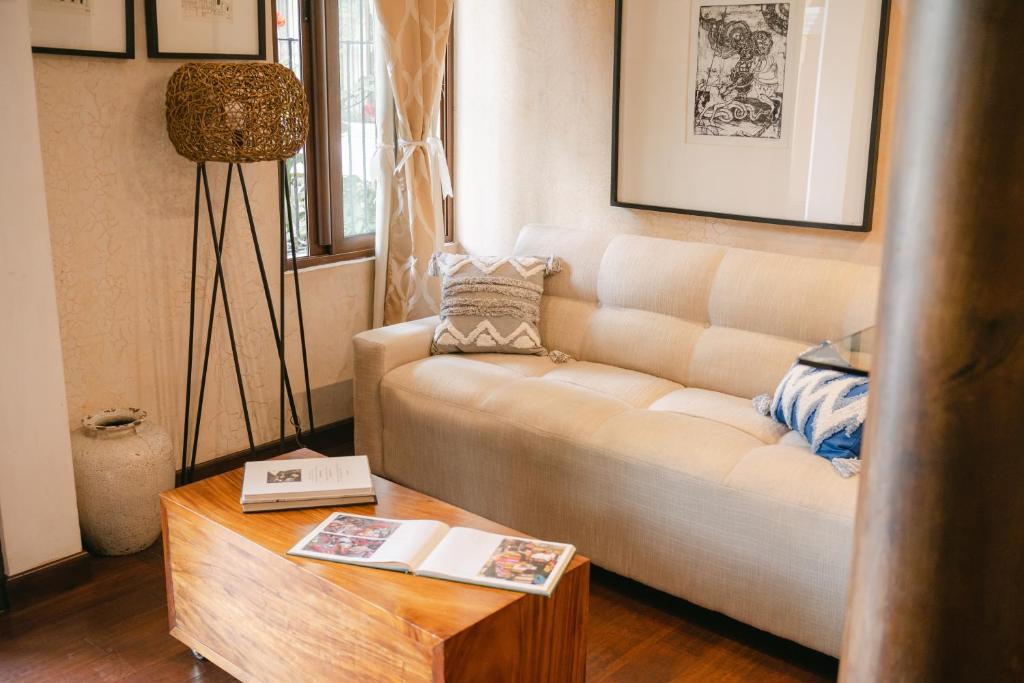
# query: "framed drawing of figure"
{"points": [[753, 111]]}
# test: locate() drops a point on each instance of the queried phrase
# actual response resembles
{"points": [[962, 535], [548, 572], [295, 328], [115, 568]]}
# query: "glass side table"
{"points": [[850, 354]]}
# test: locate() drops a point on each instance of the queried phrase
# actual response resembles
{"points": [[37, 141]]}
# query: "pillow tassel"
{"points": [[846, 467], [554, 265], [433, 266], [762, 404]]}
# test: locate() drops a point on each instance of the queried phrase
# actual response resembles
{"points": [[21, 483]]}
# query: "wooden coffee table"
{"points": [[234, 597]]}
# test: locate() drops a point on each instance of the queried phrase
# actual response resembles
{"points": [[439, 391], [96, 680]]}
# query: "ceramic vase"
{"points": [[122, 463]]}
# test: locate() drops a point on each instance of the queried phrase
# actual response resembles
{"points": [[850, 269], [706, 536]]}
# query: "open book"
{"points": [[431, 548]]}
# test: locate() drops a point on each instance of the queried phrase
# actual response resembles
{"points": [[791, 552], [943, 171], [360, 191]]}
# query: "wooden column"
{"points": [[938, 578]]}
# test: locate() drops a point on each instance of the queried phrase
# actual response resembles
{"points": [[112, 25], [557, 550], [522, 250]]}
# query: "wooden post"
{"points": [[938, 577]]}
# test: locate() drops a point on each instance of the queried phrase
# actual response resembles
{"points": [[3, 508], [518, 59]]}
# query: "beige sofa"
{"points": [[646, 452]]}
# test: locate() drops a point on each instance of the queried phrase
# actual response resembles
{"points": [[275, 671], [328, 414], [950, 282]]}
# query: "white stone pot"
{"points": [[121, 466]]}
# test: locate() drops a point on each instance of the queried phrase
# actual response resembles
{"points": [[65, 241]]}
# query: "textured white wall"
{"points": [[38, 516], [533, 98], [120, 202]]}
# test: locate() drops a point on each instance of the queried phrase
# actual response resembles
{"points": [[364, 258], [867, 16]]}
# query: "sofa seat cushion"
{"points": [[513, 388], [637, 389], [692, 446], [554, 409], [698, 433], [791, 473], [451, 378], [469, 379], [525, 366], [731, 410]]}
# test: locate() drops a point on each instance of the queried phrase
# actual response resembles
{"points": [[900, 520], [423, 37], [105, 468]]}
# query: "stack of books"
{"points": [[306, 482]]}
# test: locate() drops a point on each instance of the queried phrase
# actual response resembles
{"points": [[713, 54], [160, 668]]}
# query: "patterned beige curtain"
{"points": [[414, 37]]}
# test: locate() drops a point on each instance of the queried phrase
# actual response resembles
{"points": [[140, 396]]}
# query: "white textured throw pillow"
{"points": [[490, 304]]}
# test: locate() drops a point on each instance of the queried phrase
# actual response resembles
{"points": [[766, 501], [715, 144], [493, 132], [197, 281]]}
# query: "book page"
{"points": [[388, 543], [487, 559]]}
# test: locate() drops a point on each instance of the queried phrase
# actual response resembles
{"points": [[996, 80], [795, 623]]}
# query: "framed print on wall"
{"points": [[206, 29], [762, 112], [91, 28]]}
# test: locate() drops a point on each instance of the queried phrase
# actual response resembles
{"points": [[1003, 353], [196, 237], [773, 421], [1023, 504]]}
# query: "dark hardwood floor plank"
{"points": [[179, 667], [658, 637], [626, 625]]}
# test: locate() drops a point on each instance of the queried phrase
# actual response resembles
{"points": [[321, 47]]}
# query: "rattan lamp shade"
{"points": [[236, 112]]}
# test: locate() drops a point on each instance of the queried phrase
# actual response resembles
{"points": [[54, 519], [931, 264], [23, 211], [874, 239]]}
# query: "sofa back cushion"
{"points": [[702, 315]]}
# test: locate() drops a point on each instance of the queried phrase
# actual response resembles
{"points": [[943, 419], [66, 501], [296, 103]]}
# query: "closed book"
{"points": [[307, 503], [306, 479]]}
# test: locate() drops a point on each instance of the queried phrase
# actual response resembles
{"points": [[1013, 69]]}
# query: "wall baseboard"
{"points": [[45, 581], [326, 439]]}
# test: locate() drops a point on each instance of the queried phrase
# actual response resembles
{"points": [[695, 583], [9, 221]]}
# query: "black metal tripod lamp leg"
{"points": [[270, 306], [282, 177], [191, 332], [218, 286], [218, 245], [298, 305]]}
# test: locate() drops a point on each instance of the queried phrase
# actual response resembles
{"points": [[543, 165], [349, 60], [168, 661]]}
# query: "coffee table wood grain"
{"points": [[235, 597]]}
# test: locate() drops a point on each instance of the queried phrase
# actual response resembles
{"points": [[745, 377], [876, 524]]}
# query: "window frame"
{"points": [[448, 129], [324, 207]]}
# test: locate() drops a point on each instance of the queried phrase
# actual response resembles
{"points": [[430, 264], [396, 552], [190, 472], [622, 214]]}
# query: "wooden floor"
{"points": [[114, 628]]}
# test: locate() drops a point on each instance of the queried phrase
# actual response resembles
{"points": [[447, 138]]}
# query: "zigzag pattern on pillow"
{"points": [[490, 304], [820, 403], [448, 264], [525, 336], [525, 265]]}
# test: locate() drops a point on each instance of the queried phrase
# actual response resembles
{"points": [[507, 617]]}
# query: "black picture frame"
{"points": [[873, 142], [129, 41], [153, 38]]}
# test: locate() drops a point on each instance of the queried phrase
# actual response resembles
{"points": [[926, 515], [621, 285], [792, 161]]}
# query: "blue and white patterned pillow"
{"points": [[828, 408]]}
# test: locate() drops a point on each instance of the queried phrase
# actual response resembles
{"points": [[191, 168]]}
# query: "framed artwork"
{"points": [[206, 29], [752, 111], [92, 28]]}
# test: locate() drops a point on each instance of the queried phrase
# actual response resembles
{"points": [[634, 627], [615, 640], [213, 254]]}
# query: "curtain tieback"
{"points": [[434, 150]]}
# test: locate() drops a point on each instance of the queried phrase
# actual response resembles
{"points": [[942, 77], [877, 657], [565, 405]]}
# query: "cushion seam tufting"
{"points": [[516, 373], [612, 396], [505, 367], [600, 394], [711, 419]]}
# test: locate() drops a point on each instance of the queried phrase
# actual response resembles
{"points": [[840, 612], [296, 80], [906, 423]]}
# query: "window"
{"points": [[330, 46]]}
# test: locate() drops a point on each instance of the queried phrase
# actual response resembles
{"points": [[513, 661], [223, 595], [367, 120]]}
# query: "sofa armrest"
{"points": [[376, 353]]}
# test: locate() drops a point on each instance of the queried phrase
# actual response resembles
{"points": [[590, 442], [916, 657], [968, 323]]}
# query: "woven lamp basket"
{"points": [[236, 112]]}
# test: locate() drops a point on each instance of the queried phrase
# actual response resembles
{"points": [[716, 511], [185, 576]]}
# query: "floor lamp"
{"points": [[237, 114]]}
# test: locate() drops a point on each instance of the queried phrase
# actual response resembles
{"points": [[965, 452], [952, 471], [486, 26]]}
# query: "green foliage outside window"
{"points": [[360, 202]]}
